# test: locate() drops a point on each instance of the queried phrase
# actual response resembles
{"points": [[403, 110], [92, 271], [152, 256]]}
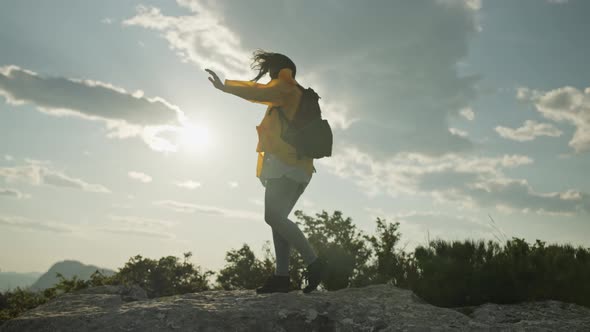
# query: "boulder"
{"points": [[371, 308]]}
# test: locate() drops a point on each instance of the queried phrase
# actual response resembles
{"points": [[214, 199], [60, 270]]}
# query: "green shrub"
{"points": [[164, 277], [243, 270], [471, 273], [337, 239], [16, 301]]}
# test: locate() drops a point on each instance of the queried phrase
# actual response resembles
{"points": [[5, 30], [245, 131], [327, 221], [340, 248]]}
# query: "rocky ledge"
{"points": [[372, 308]]}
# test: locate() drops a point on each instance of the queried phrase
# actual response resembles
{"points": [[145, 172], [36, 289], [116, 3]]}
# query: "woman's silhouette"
{"points": [[284, 176]]}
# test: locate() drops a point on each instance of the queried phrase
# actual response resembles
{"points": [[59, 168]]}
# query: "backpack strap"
{"points": [[282, 116]]}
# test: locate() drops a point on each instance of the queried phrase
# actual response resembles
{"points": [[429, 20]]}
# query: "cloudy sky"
{"points": [[445, 112]]}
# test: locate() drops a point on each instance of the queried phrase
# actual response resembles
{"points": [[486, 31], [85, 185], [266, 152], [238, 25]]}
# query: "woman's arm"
{"points": [[269, 94]]}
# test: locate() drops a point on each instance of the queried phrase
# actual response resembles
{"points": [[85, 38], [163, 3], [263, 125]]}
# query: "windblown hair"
{"points": [[272, 63]]}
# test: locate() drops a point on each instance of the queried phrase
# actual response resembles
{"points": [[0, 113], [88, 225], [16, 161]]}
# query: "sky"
{"points": [[459, 119]]}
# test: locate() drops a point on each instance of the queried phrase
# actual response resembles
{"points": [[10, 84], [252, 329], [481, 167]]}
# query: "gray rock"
{"points": [[372, 308], [127, 293]]}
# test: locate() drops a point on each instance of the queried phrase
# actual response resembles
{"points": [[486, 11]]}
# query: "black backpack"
{"points": [[308, 132]]}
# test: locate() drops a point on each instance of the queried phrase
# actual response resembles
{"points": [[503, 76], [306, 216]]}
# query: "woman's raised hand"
{"points": [[215, 80]]}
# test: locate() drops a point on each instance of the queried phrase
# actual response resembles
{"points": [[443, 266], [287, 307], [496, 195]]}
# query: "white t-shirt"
{"points": [[274, 168]]}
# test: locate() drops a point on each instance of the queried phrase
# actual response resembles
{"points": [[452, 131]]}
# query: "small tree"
{"points": [[391, 264], [337, 239], [243, 270]]}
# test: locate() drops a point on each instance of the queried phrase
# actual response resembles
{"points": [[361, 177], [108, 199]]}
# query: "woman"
{"points": [[284, 176]]}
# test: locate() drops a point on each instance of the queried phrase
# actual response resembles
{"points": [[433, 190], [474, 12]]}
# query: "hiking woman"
{"points": [[284, 176]]}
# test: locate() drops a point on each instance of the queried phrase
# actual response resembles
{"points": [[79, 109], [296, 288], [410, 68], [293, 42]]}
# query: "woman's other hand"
{"points": [[215, 80]]}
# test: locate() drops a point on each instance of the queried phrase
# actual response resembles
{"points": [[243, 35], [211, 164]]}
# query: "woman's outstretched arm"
{"points": [[269, 94], [259, 93]]}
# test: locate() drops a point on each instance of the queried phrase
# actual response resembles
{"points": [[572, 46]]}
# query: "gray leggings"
{"points": [[279, 198]]}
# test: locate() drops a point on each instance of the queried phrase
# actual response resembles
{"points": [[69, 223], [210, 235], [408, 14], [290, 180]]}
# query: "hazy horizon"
{"points": [[114, 143]]}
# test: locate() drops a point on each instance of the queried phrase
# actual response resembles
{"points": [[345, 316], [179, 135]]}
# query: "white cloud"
{"points": [[189, 184], [125, 114], [122, 206], [89, 99], [31, 225], [256, 201], [139, 226], [557, 2], [307, 203], [529, 131], [36, 173], [467, 113], [107, 20], [140, 221], [8, 157], [469, 4], [566, 104], [139, 176], [233, 184], [526, 94], [337, 114], [470, 181], [209, 210], [58, 179], [12, 193], [518, 194], [139, 232], [419, 227], [458, 132], [200, 38], [434, 221]]}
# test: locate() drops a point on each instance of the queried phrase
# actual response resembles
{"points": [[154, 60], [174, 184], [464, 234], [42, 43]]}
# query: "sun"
{"points": [[194, 138]]}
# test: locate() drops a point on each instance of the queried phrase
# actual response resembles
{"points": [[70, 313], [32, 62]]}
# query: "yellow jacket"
{"points": [[282, 91]]}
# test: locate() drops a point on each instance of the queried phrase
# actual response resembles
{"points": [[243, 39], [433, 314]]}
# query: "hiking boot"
{"points": [[316, 272], [275, 284]]}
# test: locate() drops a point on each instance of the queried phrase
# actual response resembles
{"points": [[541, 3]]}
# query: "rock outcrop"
{"points": [[372, 308]]}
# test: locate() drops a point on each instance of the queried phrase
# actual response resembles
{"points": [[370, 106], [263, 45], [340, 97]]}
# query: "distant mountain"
{"points": [[11, 280], [68, 269]]}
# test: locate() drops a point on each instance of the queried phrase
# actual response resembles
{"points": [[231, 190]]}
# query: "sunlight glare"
{"points": [[194, 138]]}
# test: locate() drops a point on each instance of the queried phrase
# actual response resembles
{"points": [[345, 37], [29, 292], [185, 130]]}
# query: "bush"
{"points": [[16, 301], [337, 239], [164, 277], [243, 270], [471, 273]]}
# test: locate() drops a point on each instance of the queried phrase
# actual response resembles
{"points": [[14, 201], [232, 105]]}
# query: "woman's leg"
{"points": [[282, 253], [280, 197]]}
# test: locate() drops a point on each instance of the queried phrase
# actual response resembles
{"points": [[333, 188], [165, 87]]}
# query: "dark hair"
{"points": [[272, 63]]}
